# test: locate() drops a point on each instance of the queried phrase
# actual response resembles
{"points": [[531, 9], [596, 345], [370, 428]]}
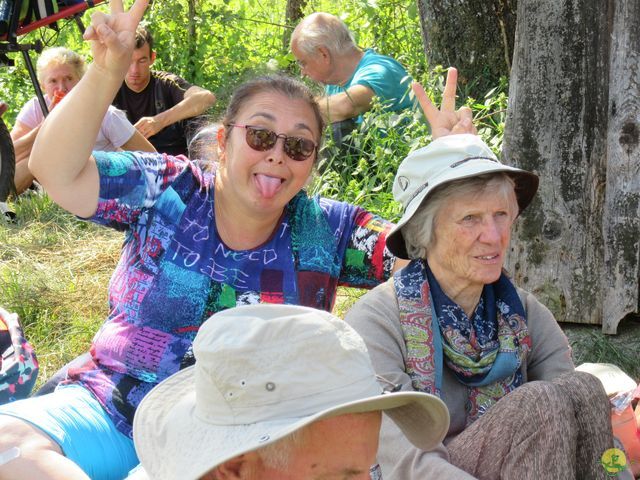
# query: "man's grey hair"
{"points": [[278, 454], [419, 231], [323, 30]]}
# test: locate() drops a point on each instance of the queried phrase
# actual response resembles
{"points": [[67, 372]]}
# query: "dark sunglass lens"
{"points": [[260, 138], [299, 148]]}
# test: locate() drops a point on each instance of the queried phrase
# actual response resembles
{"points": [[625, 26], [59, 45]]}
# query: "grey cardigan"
{"points": [[376, 318]]}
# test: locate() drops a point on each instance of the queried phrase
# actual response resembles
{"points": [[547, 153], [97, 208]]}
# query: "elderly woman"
{"points": [[196, 243], [452, 323], [59, 70]]}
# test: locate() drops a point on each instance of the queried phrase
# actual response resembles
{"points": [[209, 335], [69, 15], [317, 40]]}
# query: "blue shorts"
{"points": [[76, 421]]}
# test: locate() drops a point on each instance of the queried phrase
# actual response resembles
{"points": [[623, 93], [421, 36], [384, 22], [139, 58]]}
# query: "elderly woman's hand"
{"points": [[112, 36], [447, 120]]}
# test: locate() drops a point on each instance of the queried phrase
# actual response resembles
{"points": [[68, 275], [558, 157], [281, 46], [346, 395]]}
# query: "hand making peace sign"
{"points": [[112, 36], [446, 120]]}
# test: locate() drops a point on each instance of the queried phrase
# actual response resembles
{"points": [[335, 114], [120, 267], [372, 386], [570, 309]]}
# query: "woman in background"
{"points": [[59, 70]]}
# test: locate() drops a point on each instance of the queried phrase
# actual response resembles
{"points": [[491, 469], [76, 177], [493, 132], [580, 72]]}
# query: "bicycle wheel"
{"points": [[7, 162]]}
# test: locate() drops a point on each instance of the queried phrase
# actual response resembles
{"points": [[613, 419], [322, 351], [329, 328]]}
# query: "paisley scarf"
{"points": [[485, 352]]}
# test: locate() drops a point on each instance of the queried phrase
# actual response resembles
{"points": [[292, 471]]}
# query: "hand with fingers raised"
{"points": [[112, 36], [446, 120]]}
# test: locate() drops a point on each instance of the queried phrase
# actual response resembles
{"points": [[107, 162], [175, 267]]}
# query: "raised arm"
{"points": [[446, 120], [195, 102], [61, 156]]}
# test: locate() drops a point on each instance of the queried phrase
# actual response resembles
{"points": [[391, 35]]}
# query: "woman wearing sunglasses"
{"points": [[196, 243]]}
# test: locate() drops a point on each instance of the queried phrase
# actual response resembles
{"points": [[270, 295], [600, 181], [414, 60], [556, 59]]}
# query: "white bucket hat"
{"points": [[261, 373], [444, 160]]}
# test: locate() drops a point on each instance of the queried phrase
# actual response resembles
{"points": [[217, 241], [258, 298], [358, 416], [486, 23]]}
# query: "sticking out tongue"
{"points": [[268, 186]]}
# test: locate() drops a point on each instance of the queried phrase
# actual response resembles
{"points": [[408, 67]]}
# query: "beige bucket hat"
{"points": [[444, 160], [261, 373]]}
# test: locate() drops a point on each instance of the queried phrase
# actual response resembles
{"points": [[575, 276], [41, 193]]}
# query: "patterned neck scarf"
{"points": [[485, 352]]}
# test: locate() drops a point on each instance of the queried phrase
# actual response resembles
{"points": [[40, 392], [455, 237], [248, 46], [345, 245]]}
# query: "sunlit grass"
{"points": [[54, 271]]}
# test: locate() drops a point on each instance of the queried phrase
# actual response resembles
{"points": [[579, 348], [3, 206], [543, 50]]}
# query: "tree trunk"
{"points": [[569, 106], [192, 38], [622, 206], [476, 36], [294, 14]]}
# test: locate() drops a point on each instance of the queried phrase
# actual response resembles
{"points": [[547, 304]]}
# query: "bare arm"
{"points": [[61, 156], [351, 103], [23, 138], [137, 143], [22, 178], [196, 101]]}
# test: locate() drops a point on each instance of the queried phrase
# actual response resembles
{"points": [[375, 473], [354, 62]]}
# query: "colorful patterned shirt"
{"points": [[175, 272]]}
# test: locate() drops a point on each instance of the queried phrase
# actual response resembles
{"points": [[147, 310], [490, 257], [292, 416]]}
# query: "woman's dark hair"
{"points": [[280, 84]]}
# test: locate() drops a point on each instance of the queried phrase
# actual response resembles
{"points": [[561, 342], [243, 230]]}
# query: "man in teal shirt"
{"points": [[326, 52]]}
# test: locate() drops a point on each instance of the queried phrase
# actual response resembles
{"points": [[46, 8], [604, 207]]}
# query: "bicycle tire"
{"points": [[7, 163]]}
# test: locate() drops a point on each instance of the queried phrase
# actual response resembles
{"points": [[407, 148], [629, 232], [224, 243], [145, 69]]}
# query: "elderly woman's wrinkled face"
{"points": [[471, 235]]}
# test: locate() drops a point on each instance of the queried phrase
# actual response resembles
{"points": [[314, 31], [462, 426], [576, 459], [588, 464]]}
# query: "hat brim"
{"points": [[172, 442], [526, 186]]}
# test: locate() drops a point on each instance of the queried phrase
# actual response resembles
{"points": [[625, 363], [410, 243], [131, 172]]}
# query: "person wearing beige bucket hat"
{"points": [[452, 323], [264, 373]]}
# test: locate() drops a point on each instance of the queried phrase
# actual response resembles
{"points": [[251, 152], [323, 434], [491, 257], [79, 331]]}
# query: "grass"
{"points": [[589, 344], [54, 271]]}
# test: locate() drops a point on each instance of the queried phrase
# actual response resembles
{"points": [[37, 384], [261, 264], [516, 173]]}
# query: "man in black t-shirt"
{"points": [[159, 103]]}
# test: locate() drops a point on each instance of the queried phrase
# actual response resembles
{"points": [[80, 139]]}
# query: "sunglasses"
{"points": [[263, 139]]}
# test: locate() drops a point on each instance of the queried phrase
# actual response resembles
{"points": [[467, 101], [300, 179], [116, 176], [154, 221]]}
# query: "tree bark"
{"points": [[192, 38], [572, 97], [622, 206], [476, 36], [295, 13]]}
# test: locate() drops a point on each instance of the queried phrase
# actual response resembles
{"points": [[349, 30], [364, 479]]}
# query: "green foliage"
{"points": [[361, 171], [234, 40], [490, 114]]}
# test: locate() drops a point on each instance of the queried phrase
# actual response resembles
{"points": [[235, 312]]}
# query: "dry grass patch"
{"points": [[54, 272]]}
